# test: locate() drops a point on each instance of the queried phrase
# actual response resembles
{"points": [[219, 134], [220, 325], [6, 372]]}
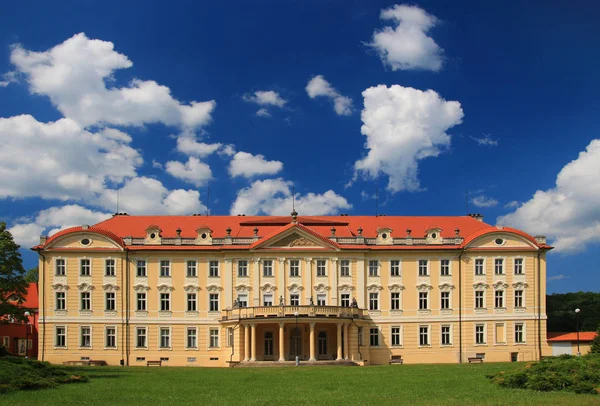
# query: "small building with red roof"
{"points": [[571, 343], [20, 338]]}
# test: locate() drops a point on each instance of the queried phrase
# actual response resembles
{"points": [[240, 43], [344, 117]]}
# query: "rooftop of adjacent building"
{"points": [[583, 336]]}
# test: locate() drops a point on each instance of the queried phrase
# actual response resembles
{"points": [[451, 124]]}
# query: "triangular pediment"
{"points": [[295, 237]]}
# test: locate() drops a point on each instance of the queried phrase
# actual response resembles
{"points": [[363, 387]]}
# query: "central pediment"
{"points": [[295, 236], [294, 240]]}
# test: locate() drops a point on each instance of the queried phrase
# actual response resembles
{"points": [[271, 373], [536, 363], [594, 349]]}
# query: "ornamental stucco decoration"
{"points": [[294, 287], [374, 287], [500, 285], [480, 285], [141, 288], [321, 287], [191, 288], [110, 287], [345, 288], [85, 287], [423, 287], [446, 286], [267, 287], [165, 288], [243, 288], [214, 288], [60, 287], [395, 287], [520, 285]]}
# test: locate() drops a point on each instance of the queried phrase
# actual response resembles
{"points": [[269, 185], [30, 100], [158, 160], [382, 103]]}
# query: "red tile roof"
{"points": [[583, 336], [92, 229]]}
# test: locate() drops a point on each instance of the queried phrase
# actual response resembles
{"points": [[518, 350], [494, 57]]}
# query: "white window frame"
{"points": [[321, 263], [373, 301], [243, 264], [230, 337], [423, 264], [145, 328], [522, 290], [64, 327], [212, 336], [377, 335], [392, 268], [189, 300], [64, 266], [216, 299], [343, 299], [268, 264], [106, 328], [503, 297], [485, 340], [107, 267], [321, 297], [114, 300], [170, 338], [451, 334], [64, 300], [343, 266], [524, 341], [522, 259], [81, 266], [211, 268], [81, 346], [194, 267], [428, 327], [81, 307], [166, 266], [503, 265], [189, 329], [449, 266], [475, 299], [298, 274], [139, 266], [168, 302], [137, 301], [399, 335], [267, 295], [483, 265], [427, 304], [373, 266], [449, 300], [295, 296], [243, 299], [398, 300]]}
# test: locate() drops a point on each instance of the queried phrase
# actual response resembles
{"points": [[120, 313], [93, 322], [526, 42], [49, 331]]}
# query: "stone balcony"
{"points": [[262, 312]]}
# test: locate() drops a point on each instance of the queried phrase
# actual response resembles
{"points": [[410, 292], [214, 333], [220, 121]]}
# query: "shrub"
{"points": [[27, 374], [563, 373]]}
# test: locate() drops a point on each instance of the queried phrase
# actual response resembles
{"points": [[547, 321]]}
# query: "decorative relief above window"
{"points": [[191, 288], [446, 287], [60, 287], [374, 288], [345, 288], [85, 287], [294, 287], [500, 285], [424, 287], [243, 288], [267, 287], [214, 288], [396, 287], [322, 288], [165, 288], [141, 288]]}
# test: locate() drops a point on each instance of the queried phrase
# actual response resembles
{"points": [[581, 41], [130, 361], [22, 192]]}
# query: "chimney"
{"points": [[85, 227], [540, 239], [43, 239], [476, 216]]}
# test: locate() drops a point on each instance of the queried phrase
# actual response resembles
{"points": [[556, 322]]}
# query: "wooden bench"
{"points": [[97, 363], [154, 363], [76, 363], [475, 359], [396, 359]]}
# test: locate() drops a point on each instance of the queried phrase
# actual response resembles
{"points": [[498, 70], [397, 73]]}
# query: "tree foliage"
{"points": [[560, 308], [13, 286], [33, 275], [595, 347]]}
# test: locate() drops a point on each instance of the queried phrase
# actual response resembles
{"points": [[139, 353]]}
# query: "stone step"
{"points": [[275, 364]]}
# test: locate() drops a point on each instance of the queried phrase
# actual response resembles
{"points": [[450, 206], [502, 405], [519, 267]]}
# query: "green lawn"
{"points": [[376, 385]]}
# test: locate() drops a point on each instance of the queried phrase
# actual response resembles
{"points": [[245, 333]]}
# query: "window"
{"points": [[294, 299], [344, 267], [165, 268], [445, 267], [85, 267], [141, 268], [321, 267], [396, 338], [60, 337], [165, 337], [140, 333], [61, 301], [345, 300], [479, 269], [374, 337], [395, 300], [518, 266], [519, 333], [213, 302], [192, 339], [267, 299], [480, 334], [165, 302], [141, 302], [243, 299], [294, 267], [230, 336], [423, 335], [445, 300], [6, 342], [373, 301], [395, 267], [423, 267], [423, 300], [61, 267], [373, 268], [110, 337], [479, 299], [86, 301], [321, 299], [519, 298], [268, 267], [499, 298], [109, 267], [213, 269], [499, 266], [191, 302], [192, 269], [110, 301], [446, 337], [214, 338], [86, 337], [243, 268]]}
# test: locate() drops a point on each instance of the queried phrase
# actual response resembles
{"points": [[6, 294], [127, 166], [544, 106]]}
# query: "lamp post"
{"points": [[27, 334], [577, 323], [296, 339]]}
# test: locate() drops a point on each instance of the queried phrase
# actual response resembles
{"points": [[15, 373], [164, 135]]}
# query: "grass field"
{"points": [[377, 385]]}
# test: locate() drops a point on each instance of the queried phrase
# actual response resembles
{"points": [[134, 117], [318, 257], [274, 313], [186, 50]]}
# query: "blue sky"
{"points": [[329, 99]]}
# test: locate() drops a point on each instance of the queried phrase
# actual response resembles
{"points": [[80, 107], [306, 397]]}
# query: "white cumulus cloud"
{"points": [[406, 45], [265, 98], [193, 171], [318, 86], [568, 213], [75, 75], [484, 201], [188, 144], [274, 197], [248, 165], [404, 126]]}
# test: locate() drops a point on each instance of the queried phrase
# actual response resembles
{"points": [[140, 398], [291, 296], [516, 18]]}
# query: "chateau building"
{"points": [[218, 290]]}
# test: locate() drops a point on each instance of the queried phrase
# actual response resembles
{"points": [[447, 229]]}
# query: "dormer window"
{"points": [[153, 235], [384, 236], [434, 235], [203, 235]]}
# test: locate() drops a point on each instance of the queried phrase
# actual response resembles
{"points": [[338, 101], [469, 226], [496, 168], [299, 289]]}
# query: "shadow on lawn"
{"points": [[98, 372]]}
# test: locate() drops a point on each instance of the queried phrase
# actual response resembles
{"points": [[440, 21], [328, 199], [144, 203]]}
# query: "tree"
{"points": [[560, 308], [595, 345], [32, 275], [13, 286]]}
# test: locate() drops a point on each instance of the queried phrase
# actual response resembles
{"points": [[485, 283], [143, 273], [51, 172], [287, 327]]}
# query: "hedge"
{"points": [[27, 374]]}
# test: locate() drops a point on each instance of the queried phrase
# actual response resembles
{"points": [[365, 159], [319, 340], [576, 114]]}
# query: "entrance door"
{"points": [[268, 346], [22, 347], [322, 345], [295, 343]]}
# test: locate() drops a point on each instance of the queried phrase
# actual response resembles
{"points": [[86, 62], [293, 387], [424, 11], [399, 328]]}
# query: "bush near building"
{"points": [[563, 373], [18, 373]]}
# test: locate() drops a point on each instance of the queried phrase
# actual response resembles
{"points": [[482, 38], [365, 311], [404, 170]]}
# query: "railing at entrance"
{"points": [[290, 311]]}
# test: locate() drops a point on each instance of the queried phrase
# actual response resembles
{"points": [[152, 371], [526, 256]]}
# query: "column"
{"points": [[312, 342], [246, 342], [253, 344], [228, 283], [281, 342], [346, 341], [339, 342]]}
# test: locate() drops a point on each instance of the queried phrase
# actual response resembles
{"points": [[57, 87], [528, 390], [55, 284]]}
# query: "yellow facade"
{"points": [[425, 312]]}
